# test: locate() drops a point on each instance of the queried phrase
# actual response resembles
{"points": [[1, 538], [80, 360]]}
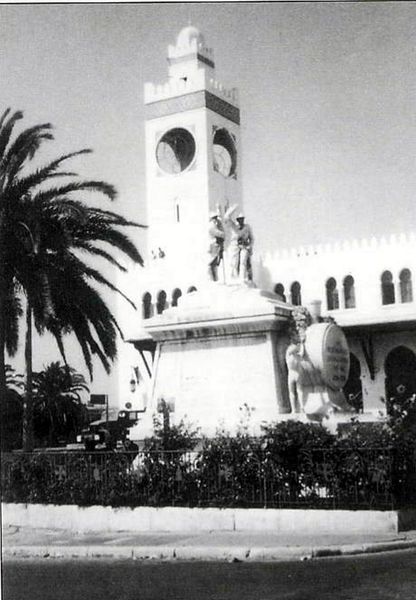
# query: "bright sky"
{"points": [[327, 95]]}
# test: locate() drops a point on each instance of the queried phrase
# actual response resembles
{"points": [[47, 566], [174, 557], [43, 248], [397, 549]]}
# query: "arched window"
{"points": [[279, 289], [349, 292], [147, 308], [161, 302], [406, 292], [387, 288], [176, 294], [191, 289], [332, 298], [295, 295]]}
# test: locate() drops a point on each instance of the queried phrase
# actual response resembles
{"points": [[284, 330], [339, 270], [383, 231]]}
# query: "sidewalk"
{"points": [[18, 542]]}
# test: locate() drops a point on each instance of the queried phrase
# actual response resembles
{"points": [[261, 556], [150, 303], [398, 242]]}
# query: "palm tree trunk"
{"points": [[2, 341], [28, 401], [2, 314]]}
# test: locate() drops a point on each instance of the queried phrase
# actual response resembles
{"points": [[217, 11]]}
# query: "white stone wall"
{"points": [[365, 260], [144, 518]]}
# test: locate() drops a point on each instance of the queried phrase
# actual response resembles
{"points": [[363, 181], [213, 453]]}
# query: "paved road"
{"points": [[384, 576]]}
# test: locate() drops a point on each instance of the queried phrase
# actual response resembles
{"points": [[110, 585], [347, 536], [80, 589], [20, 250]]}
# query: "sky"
{"points": [[327, 98]]}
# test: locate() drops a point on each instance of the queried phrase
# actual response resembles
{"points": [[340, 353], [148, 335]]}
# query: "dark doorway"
{"points": [[353, 389], [400, 370]]}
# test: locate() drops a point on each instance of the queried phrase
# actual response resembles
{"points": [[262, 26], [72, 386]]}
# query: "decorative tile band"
{"points": [[192, 101], [179, 59]]}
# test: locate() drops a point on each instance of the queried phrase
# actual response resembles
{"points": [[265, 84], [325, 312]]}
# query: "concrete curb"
{"points": [[203, 553]]}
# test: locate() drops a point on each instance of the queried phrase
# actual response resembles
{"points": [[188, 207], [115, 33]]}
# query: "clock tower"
{"points": [[219, 347], [193, 162]]}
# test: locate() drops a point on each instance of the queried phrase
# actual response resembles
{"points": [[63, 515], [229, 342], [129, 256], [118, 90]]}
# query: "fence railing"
{"points": [[319, 478]]}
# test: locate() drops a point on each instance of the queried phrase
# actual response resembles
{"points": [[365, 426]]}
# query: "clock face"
{"points": [[175, 150], [225, 154]]}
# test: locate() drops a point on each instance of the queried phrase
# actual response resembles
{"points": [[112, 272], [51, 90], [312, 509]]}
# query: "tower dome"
{"points": [[187, 35]]}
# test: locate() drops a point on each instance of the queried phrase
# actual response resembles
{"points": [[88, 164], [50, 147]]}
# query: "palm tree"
{"points": [[48, 236], [58, 410]]}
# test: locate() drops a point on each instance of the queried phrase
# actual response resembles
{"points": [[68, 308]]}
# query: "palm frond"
{"points": [[117, 239], [23, 148], [97, 276], [111, 218], [39, 176], [78, 186], [4, 116], [91, 249], [6, 129]]}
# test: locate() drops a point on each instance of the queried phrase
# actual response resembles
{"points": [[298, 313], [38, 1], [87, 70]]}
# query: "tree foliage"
{"points": [[49, 232], [59, 413], [50, 238]]}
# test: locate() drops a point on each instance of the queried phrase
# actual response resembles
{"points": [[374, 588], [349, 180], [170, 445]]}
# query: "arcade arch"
{"points": [[295, 294], [349, 291], [279, 289], [405, 284], [332, 296], [387, 288], [176, 294], [147, 307], [161, 302]]}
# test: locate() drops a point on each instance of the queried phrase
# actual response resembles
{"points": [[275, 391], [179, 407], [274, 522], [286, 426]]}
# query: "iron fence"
{"points": [[319, 478]]}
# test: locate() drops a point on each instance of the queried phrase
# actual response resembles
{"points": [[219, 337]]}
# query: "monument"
{"points": [[222, 347], [224, 343]]}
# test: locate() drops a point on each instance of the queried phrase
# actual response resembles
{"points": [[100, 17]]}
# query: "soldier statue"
{"points": [[241, 245]]}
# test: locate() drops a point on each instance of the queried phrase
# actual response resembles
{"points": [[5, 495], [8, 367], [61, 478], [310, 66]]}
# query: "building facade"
{"points": [[367, 286]]}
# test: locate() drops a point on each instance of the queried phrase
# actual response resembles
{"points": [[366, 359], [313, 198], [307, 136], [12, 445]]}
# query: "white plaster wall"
{"points": [[364, 259], [189, 189], [211, 379]]}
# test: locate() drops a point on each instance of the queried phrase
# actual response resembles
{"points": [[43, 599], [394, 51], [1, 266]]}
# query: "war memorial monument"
{"points": [[226, 343]]}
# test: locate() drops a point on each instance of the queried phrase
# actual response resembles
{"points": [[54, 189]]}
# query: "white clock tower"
{"points": [[193, 163], [193, 168]]}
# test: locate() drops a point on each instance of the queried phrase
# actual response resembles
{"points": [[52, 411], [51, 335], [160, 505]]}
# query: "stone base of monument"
{"points": [[219, 352]]}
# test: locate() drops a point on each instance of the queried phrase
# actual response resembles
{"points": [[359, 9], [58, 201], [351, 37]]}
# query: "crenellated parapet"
{"points": [[381, 244], [195, 82], [191, 70]]}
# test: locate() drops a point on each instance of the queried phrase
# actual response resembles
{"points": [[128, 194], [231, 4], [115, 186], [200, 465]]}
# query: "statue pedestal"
{"points": [[221, 348]]}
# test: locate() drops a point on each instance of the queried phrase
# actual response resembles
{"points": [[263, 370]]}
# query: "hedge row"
{"points": [[292, 464]]}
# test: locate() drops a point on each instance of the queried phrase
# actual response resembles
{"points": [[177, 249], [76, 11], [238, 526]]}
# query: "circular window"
{"points": [[225, 154], [175, 150]]}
